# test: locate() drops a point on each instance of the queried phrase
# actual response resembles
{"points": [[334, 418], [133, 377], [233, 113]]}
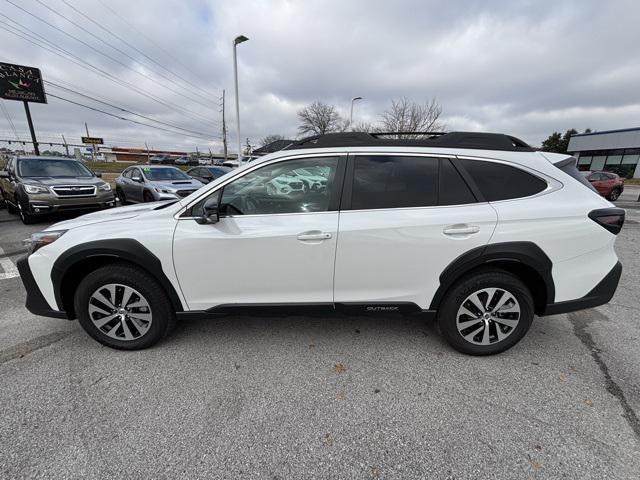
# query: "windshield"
{"points": [[155, 174], [313, 171], [40, 167], [220, 170]]}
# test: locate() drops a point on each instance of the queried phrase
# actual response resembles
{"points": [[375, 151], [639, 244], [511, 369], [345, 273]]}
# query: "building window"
{"points": [[584, 162], [598, 162]]}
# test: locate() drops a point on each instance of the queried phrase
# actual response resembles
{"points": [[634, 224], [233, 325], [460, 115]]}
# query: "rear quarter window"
{"points": [[497, 181]]}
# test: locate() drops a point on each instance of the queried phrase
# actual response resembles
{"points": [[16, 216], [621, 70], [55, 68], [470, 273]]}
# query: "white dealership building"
{"points": [[615, 151]]}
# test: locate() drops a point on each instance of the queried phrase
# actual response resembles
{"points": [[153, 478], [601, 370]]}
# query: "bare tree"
{"points": [[270, 139], [405, 115], [363, 127], [320, 118]]}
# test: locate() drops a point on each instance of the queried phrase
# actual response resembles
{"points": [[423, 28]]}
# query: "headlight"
{"points": [[35, 189], [164, 190], [105, 187], [40, 239]]}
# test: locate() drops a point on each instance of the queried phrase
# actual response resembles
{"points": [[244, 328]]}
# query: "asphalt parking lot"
{"points": [[321, 397]]}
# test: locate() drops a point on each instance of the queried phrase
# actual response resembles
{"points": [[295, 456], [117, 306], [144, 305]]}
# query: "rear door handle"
{"points": [[461, 229], [314, 235]]}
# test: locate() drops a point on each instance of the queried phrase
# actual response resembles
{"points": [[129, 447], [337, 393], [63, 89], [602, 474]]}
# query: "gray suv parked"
{"points": [[36, 186], [144, 183]]}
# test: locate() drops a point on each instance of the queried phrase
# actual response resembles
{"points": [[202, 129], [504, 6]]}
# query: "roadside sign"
{"points": [[18, 82], [93, 140]]}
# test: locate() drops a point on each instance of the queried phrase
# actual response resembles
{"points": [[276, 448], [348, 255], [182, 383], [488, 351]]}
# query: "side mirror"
{"points": [[137, 179], [4, 174], [210, 211], [98, 174]]}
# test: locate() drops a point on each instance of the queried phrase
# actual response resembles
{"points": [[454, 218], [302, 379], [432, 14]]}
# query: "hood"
{"points": [[111, 214], [177, 184], [53, 181]]}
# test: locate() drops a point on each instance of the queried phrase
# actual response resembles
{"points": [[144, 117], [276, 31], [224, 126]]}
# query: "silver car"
{"points": [[150, 183]]}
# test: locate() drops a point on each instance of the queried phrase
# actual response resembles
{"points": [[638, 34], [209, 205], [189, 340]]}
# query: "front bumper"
{"points": [[41, 204], [36, 302], [600, 294]]}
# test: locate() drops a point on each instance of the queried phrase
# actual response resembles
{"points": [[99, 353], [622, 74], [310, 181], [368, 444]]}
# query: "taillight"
{"points": [[610, 218]]}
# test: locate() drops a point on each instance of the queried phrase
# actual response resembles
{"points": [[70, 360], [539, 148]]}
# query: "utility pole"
{"points": [[236, 41], [93, 147], [36, 149], [66, 147], [224, 129], [145, 144]]}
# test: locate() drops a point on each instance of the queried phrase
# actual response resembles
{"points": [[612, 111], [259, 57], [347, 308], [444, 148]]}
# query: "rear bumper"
{"points": [[599, 295], [36, 302]]}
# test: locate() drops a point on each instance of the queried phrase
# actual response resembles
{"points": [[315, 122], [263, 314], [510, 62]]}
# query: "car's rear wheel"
{"points": [[123, 307], [486, 313], [10, 208], [147, 197], [614, 195]]}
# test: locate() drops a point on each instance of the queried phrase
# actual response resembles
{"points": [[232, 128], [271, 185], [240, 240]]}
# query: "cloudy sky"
{"points": [[526, 68]]}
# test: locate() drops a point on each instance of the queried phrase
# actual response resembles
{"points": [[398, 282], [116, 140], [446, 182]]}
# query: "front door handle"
{"points": [[461, 229], [314, 235]]}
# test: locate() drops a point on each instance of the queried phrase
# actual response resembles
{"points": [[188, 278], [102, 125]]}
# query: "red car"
{"points": [[608, 184]]}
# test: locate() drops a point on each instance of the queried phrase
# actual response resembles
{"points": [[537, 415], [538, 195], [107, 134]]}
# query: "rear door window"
{"points": [[498, 181], [382, 181]]}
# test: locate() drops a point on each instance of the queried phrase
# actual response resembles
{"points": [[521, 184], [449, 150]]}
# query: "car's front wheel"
{"points": [[123, 307], [26, 217], [147, 196], [486, 312], [120, 195]]}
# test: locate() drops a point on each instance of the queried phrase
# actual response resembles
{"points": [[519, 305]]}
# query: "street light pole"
{"points": [[351, 113], [236, 41]]}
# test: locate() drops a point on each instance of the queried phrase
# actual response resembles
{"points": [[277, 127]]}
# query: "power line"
{"points": [[122, 109], [108, 44], [133, 47], [126, 119], [141, 34], [113, 59], [37, 39], [6, 114]]}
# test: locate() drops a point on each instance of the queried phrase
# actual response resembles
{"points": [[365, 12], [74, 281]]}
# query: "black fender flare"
{"points": [[126, 249], [526, 253]]}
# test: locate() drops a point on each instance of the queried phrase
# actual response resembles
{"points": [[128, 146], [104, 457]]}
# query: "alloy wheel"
{"points": [[120, 312], [488, 316]]}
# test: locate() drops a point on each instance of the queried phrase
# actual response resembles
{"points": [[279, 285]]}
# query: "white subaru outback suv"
{"points": [[477, 230]]}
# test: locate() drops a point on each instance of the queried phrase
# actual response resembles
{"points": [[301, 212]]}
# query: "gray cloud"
{"points": [[523, 67]]}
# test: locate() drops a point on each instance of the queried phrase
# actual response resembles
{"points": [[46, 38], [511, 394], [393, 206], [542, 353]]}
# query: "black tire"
{"points": [[120, 195], [162, 313], [10, 208], [476, 282], [614, 195], [25, 216], [147, 196]]}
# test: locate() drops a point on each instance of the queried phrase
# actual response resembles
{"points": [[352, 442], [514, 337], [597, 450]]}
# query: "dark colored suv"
{"points": [[608, 184], [36, 186]]}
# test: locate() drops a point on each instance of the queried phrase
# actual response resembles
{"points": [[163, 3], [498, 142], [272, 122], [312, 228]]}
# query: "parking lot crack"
{"points": [[30, 346], [581, 322]]}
